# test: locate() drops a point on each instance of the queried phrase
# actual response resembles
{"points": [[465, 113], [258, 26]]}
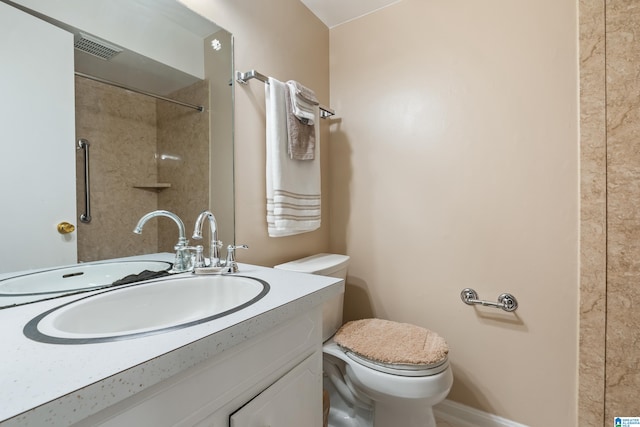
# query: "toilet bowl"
{"points": [[364, 391]]}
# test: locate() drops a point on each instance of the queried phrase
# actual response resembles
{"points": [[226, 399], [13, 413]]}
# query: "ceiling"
{"points": [[336, 12]]}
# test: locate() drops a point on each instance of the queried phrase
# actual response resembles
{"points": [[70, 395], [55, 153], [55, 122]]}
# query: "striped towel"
{"points": [[293, 187]]}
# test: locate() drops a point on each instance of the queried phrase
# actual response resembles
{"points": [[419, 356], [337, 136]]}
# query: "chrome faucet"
{"points": [[214, 251], [184, 259]]}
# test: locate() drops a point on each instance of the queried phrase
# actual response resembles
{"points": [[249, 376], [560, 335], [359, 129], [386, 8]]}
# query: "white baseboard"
{"points": [[465, 416]]}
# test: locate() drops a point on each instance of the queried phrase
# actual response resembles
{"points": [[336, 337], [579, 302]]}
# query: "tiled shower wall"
{"points": [[622, 376], [184, 136], [127, 133], [610, 199], [121, 129]]}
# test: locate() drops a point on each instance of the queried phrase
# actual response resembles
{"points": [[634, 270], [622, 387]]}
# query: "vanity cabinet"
{"points": [[273, 379], [283, 404]]}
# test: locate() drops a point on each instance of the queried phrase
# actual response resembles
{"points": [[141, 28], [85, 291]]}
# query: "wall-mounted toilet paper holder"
{"points": [[507, 302]]}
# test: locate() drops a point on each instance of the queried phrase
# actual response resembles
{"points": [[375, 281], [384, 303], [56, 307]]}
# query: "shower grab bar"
{"points": [[507, 302], [243, 78], [83, 144]]}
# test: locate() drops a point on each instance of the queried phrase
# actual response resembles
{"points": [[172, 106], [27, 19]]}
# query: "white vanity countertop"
{"points": [[53, 384]]}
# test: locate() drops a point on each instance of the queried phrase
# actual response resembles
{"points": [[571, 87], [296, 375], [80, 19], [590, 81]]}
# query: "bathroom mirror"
{"points": [[144, 153]]}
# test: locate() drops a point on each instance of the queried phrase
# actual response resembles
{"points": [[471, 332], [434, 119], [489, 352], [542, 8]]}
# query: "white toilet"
{"points": [[365, 392]]}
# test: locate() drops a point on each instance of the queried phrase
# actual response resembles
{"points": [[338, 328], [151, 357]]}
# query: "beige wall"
{"points": [[455, 164], [283, 39]]}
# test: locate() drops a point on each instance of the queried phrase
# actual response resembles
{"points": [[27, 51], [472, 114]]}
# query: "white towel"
{"points": [[293, 187]]}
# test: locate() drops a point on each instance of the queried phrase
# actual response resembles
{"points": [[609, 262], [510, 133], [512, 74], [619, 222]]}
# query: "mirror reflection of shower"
{"points": [[142, 160]]}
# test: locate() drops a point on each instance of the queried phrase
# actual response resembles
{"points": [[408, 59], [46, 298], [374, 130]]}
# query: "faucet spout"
{"points": [[184, 260], [181, 230], [214, 251]]}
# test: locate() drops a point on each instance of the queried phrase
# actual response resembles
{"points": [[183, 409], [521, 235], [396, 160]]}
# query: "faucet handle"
{"points": [[231, 264], [231, 249]]}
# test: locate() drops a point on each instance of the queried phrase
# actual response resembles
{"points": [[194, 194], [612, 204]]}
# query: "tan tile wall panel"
{"points": [[121, 127], [184, 133], [593, 213], [623, 205]]}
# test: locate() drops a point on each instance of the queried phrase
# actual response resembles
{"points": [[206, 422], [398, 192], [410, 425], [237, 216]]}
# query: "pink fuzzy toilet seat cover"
{"points": [[392, 342]]}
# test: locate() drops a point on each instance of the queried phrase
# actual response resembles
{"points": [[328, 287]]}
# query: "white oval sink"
{"points": [[76, 278], [143, 309]]}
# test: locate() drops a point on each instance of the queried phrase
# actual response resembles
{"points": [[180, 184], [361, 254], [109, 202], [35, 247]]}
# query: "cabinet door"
{"points": [[37, 142], [294, 400]]}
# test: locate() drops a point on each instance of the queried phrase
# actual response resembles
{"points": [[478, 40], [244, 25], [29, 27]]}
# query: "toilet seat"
{"points": [[400, 369], [332, 348], [395, 348]]}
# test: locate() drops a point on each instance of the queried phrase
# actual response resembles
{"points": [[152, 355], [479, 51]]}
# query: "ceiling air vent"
{"points": [[96, 47]]}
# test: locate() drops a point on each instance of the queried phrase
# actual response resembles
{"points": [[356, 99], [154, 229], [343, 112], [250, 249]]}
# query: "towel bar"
{"points": [[507, 302], [243, 78]]}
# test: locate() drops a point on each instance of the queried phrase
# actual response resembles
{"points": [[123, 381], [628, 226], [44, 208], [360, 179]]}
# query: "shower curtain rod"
{"points": [[253, 74], [141, 92]]}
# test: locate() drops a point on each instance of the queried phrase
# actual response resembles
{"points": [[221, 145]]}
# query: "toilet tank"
{"points": [[332, 265]]}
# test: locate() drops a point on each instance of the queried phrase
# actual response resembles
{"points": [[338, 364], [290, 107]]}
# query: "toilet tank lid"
{"points": [[322, 264]]}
